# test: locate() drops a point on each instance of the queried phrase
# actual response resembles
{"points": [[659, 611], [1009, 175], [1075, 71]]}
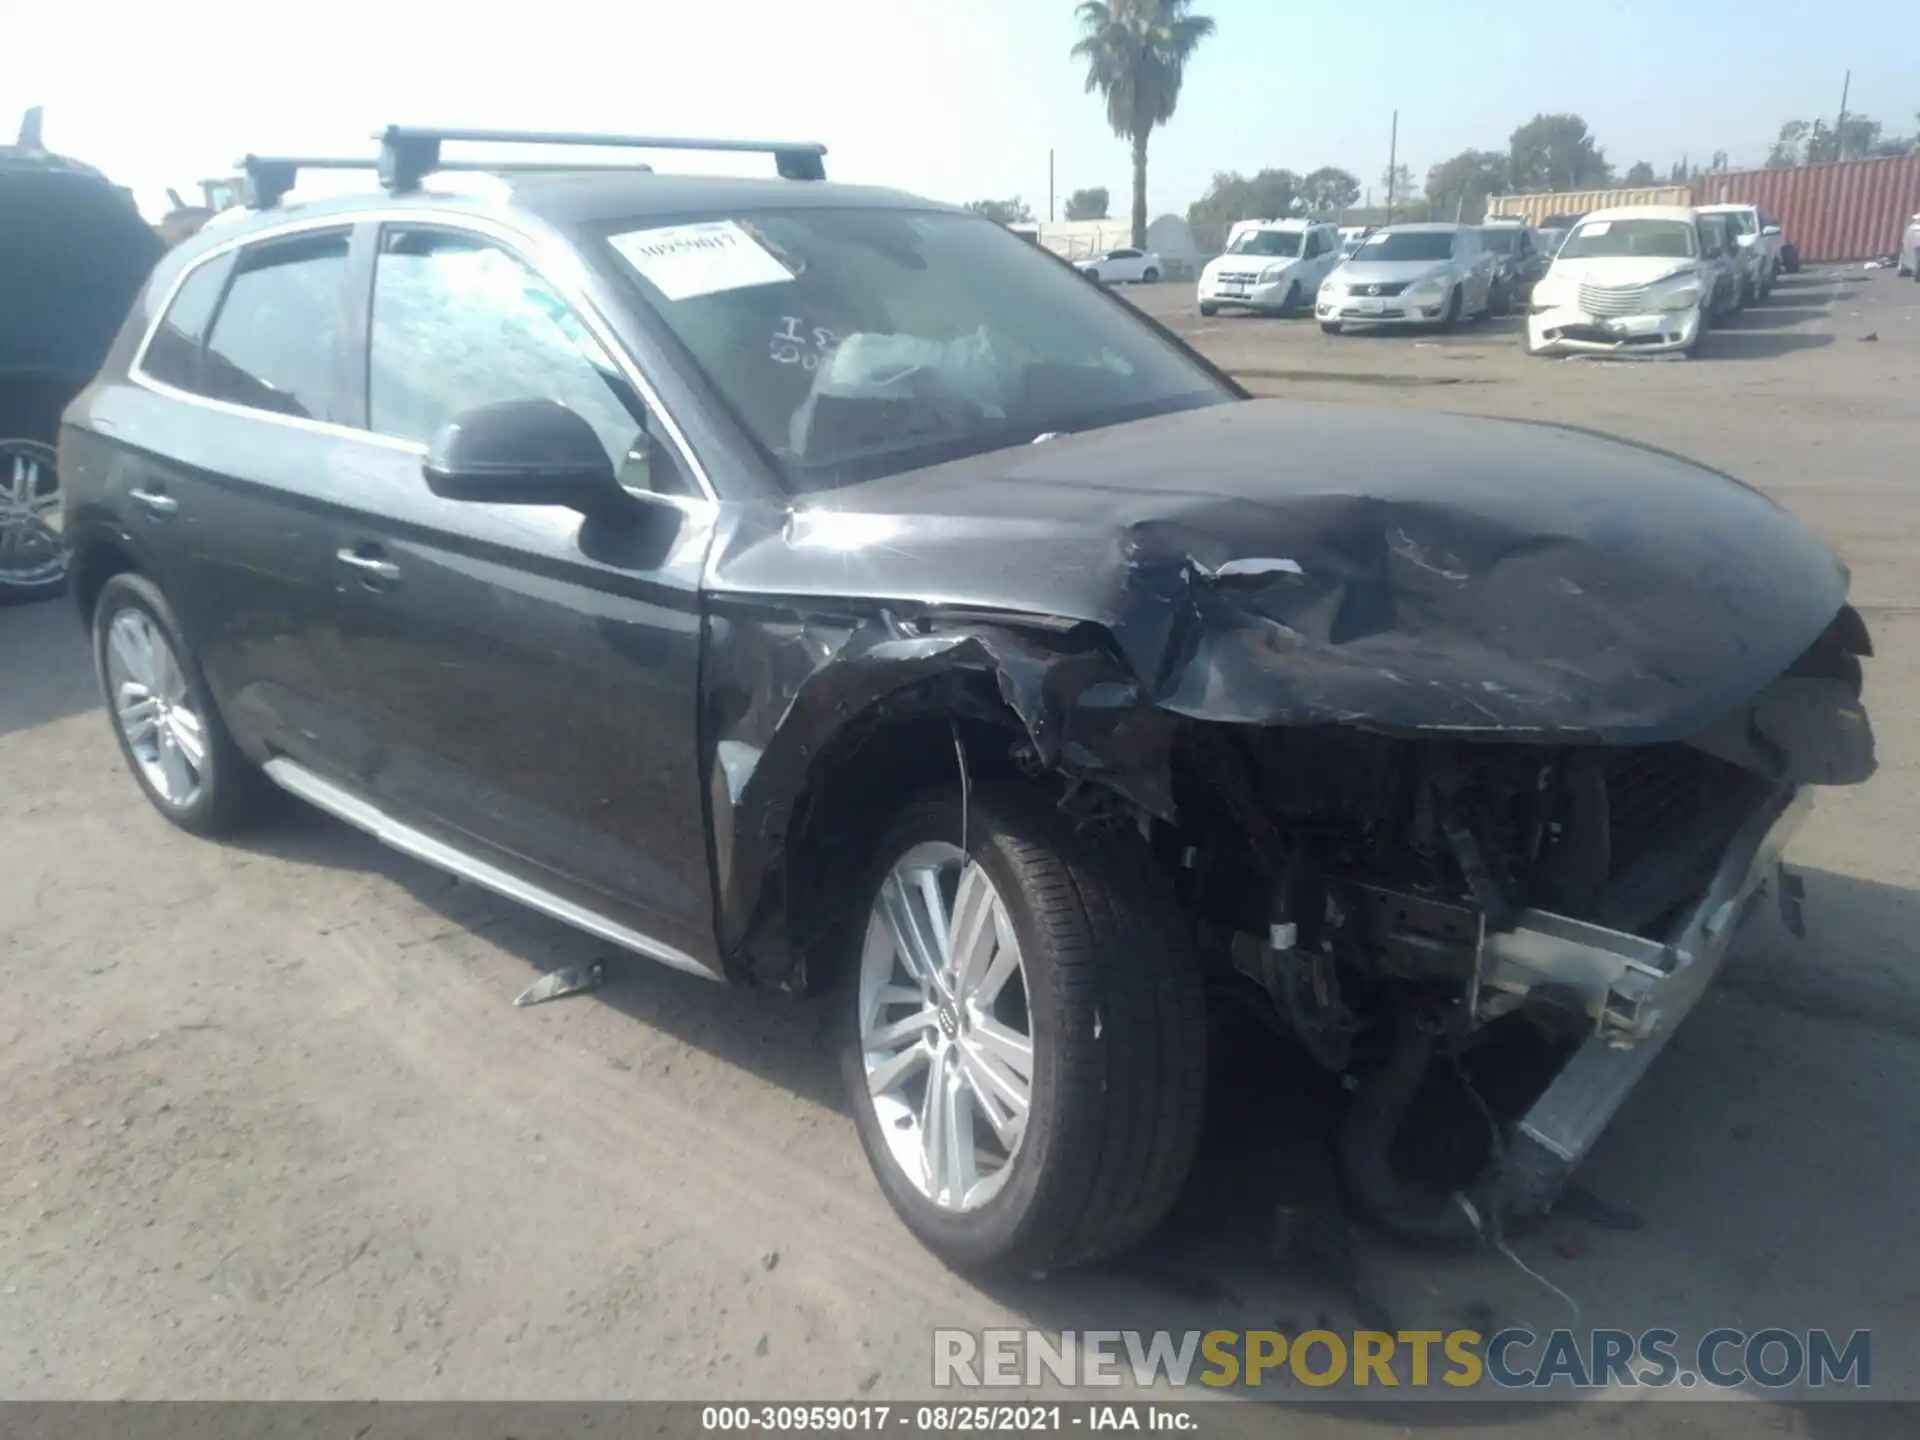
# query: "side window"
{"points": [[273, 343], [173, 354], [1126, 254], [459, 323]]}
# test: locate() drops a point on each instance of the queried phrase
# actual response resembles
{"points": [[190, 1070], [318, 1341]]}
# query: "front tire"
{"points": [[1451, 320], [169, 731], [1034, 1098], [1208, 311], [1151, 277], [1330, 327]]}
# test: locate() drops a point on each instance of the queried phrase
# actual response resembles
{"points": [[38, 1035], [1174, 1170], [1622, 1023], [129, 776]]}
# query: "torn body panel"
{"points": [[1275, 565], [1435, 727]]}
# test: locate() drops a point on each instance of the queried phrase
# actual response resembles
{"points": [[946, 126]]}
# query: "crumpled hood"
{"points": [[1617, 270], [1286, 563]]}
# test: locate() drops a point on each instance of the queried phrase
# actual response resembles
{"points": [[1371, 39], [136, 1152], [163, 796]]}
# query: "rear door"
{"points": [[529, 676], [231, 425]]}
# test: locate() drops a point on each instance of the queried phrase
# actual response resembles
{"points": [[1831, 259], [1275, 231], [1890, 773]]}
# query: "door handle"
{"points": [[156, 503], [371, 566]]}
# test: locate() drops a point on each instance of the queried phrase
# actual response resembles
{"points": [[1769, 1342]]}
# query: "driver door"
{"points": [[527, 676]]}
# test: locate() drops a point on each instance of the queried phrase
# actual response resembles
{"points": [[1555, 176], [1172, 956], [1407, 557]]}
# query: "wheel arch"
{"points": [[91, 563], [799, 780], [31, 402]]}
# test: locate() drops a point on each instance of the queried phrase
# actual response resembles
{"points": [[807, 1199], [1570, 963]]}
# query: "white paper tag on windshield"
{"points": [[682, 261]]}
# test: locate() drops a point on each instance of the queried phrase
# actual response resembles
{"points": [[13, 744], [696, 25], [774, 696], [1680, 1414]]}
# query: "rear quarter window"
{"points": [[172, 355]]}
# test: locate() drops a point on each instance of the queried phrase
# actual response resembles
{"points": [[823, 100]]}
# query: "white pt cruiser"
{"points": [[1631, 279]]}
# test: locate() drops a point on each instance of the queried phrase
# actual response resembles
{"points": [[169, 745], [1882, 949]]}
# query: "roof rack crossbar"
{"points": [[408, 153]]}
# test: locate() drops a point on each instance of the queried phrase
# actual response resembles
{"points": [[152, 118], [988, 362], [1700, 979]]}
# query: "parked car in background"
{"points": [[1125, 266], [1635, 279], [1758, 235], [1275, 268], [73, 254], [1519, 261], [1409, 275], [1729, 264]]}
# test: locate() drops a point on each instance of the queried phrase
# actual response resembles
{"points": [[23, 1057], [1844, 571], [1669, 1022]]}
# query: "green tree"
{"points": [[1639, 175], [1460, 186], [1136, 53], [1003, 212], [1231, 197], [1088, 204], [1329, 189], [1860, 137], [1557, 152]]}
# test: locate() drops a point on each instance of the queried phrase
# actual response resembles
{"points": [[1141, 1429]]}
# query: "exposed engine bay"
{"points": [[1393, 897]]}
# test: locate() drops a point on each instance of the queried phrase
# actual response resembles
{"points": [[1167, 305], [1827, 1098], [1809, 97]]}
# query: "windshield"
{"points": [[1667, 239], [1406, 245], [859, 342], [1500, 239], [1268, 242]]}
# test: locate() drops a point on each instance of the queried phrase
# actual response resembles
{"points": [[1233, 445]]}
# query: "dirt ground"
{"points": [[272, 1127]]}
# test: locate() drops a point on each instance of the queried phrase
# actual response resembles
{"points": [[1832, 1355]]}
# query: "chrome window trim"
{"points": [[541, 255]]}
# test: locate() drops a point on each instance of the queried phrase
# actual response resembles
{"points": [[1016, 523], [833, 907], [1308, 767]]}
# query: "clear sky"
{"points": [[956, 99]]}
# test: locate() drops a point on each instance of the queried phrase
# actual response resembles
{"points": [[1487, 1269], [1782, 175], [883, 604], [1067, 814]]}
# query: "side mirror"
{"points": [[522, 452], [1771, 230]]}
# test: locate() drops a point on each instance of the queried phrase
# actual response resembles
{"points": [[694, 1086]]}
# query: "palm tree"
{"points": [[1136, 53]]}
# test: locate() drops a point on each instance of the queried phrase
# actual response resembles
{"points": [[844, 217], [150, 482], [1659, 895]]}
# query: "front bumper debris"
{"points": [[1568, 328], [1636, 991]]}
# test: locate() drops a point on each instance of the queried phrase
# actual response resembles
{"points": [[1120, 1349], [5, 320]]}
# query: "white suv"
{"points": [[1275, 266], [1757, 233]]}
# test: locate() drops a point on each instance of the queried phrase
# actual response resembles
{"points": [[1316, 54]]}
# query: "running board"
{"points": [[296, 779]]}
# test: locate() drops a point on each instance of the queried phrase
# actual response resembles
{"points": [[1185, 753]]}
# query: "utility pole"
{"points": [[1393, 164], [1840, 129], [1049, 187]]}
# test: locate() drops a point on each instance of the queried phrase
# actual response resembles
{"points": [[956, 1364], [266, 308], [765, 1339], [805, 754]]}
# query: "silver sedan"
{"points": [[1409, 275]]}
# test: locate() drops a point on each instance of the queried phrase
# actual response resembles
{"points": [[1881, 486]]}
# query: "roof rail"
{"points": [[408, 153]]}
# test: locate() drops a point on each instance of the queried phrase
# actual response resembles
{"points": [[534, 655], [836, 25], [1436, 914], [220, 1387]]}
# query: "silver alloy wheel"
{"points": [[32, 551], [945, 1033], [153, 709]]}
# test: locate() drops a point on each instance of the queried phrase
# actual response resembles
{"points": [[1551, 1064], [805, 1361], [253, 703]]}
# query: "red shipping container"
{"points": [[1854, 210]]}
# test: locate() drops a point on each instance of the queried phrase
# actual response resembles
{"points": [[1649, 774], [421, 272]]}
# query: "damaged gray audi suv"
{"points": [[814, 587]]}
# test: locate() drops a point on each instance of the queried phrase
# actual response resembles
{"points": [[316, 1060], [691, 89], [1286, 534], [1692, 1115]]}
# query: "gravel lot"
{"points": [[273, 1128]]}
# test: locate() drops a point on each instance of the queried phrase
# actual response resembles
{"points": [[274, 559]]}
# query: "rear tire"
{"points": [[1115, 1011], [1093, 275], [1150, 277], [227, 792], [1208, 311]]}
